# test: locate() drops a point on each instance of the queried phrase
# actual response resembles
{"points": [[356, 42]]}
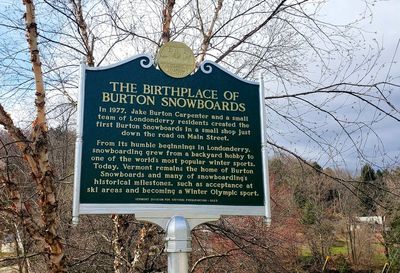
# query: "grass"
{"points": [[379, 254], [339, 250], [379, 259], [305, 251]]}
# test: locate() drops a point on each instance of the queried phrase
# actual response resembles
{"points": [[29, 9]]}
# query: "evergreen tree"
{"points": [[370, 189]]}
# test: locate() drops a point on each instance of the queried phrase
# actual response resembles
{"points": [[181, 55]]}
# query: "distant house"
{"points": [[374, 222]]}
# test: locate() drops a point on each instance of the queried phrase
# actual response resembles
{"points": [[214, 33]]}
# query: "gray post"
{"points": [[178, 245]]}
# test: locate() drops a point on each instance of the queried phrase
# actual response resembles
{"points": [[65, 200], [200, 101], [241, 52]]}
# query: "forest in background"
{"points": [[314, 211], [313, 70]]}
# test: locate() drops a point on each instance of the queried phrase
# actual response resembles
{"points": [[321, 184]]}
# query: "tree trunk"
{"points": [[147, 233], [117, 246], [37, 155], [167, 19]]}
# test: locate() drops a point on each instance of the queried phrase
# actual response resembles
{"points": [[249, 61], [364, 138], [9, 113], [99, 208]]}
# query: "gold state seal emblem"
{"points": [[176, 59]]}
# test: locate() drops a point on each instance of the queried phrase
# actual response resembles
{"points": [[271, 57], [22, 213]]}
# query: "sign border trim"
{"points": [[156, 213]]}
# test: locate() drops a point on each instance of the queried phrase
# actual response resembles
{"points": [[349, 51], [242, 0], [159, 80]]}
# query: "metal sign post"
{"points": [[178, 245]]}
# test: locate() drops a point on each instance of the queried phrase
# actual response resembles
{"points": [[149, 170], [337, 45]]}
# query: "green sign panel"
{"points": [[152, 139]]}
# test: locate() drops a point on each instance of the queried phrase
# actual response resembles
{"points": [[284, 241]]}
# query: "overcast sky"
{"points": [[382, 146], [384, 26]]}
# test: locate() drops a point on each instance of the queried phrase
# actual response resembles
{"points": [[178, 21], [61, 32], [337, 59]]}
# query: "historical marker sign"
{"points": [[155, 145]]}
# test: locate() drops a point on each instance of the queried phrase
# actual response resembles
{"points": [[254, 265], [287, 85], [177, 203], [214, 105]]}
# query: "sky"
{"points": [[383, 26], [382, 23]]}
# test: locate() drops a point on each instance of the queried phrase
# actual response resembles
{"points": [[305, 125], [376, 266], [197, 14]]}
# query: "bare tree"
{"points": [[35, 152], [316, 88]]}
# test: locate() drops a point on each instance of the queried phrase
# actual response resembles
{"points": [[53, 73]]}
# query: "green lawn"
{"points": [[340, 248]]}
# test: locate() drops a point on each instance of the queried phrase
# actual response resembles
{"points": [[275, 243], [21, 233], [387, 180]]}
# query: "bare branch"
{"points": [[83, 31], [280, 7], [207, 35]]}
